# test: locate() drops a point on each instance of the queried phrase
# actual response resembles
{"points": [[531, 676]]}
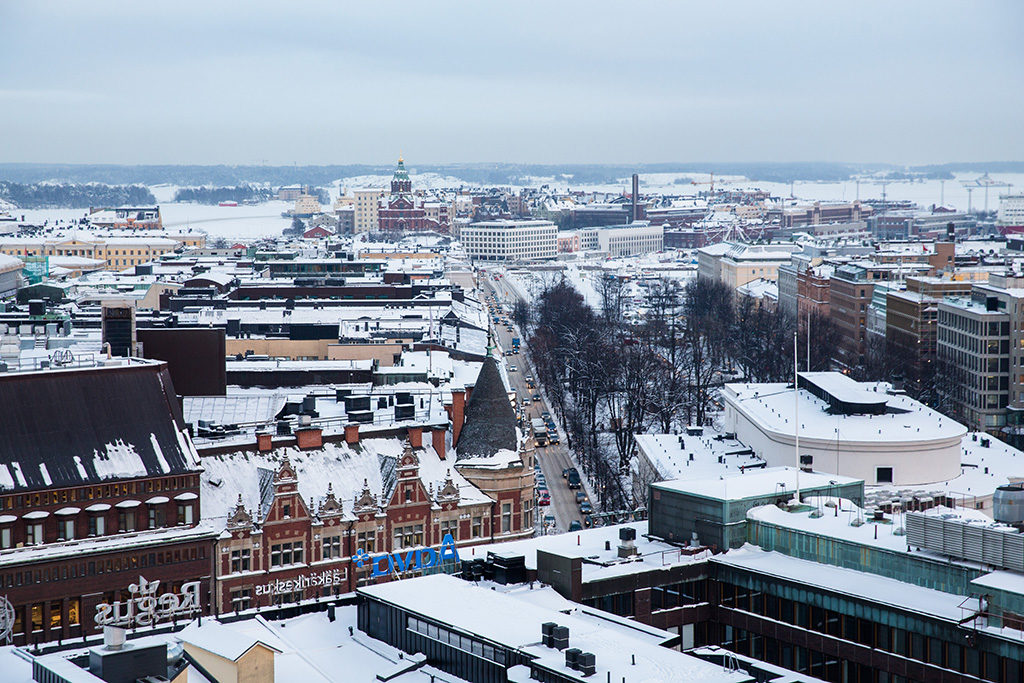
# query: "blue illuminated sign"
{"points": [[417, 558]]}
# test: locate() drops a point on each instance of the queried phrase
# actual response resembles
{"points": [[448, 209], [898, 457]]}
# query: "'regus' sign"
{"points": [[145, 607]]}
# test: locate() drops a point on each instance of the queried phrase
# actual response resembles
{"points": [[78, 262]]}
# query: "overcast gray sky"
{"points": [[548, 82]]}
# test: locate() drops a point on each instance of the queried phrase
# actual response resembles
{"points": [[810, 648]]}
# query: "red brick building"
{"points": [[812, 290], [298, 511], [99, 494], [405, 212], [296, 550]]}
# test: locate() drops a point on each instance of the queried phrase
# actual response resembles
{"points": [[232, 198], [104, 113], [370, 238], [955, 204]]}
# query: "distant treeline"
{"points": [[215, 195], [41, 195], [488, 174]]}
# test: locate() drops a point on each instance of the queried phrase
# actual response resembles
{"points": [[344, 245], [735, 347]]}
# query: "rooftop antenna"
{"points": [[796, 415]]}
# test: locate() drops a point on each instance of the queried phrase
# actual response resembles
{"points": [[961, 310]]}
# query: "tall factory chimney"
{"points": [[636, 192]]}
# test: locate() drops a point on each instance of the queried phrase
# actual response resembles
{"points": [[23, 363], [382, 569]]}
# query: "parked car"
{"points": [[574, 525], [526, 401], [512, 368], [544, 499], [586, 508], [549, 520], [541, 481]]}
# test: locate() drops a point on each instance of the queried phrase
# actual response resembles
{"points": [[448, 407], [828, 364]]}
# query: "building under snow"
{"points": [[855, 429]]}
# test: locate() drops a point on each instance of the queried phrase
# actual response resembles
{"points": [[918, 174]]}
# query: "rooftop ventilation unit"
{"points": [[1008, 504], [627, 541]]}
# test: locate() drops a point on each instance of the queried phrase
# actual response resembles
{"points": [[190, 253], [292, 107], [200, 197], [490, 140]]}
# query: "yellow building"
{"points": [[367, 213], [306, 205], [229, 656], [117, 252]]}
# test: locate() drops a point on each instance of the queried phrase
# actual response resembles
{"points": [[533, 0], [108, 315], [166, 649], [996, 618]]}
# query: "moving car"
{"points": [[574, 525], [586, 508], [581, 497]]}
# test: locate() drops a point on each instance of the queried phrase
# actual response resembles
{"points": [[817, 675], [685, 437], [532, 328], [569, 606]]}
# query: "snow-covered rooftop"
{"points": [[504, 618], [848, 582], [781, 481], [771, 406], [310, 648], [982, 470], [590, 544], [840, 519], [676, 456], [336, 464]]}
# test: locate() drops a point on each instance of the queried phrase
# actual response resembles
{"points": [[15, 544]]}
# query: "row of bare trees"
{"points": [[610, 378]]}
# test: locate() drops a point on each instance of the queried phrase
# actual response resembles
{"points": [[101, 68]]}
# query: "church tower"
{"points": [[400, 183]]}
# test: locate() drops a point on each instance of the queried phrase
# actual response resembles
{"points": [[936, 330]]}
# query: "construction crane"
{"points": [[710, 183], [884, 182], [984, 181]]}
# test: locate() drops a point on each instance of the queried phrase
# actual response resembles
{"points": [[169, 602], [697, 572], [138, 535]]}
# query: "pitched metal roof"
{"points": [[66, 428], [490, 421]]}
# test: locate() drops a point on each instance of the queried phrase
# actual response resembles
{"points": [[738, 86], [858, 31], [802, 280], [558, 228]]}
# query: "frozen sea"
{"points": [[230, 222], [264, 220]]}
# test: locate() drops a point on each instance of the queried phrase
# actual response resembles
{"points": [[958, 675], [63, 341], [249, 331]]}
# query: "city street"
{"points": [[555, 458]]}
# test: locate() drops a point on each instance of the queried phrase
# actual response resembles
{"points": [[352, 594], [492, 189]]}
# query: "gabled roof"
{"points": [[490, 421], [220, 640], [73, 427]]}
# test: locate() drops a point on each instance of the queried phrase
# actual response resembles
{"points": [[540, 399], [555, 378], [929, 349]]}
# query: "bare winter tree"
{"points": [[522, 315], [669, 385], [818, 336], [709, 314], [610, 289], [628, 392]]}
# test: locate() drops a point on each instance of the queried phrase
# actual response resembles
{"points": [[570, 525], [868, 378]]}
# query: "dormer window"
{"points": [[33, 533], [97, 525]]}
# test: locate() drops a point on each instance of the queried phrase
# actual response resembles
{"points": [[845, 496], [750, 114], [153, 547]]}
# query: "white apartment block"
{"points": [[367, 211], [508, 240], [631, 240], [1011, 212]]}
